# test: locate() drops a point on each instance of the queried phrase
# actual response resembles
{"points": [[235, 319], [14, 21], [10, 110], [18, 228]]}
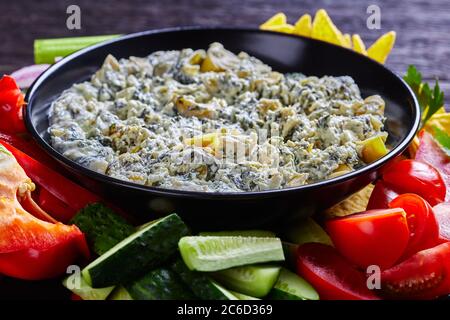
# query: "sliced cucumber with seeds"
{"points": [[256, 281], [120, 293], [240, 233], [200, 283], [144, 250], [219, 253], [242, 296], [306, 231], [292, 287], [77, 285]]}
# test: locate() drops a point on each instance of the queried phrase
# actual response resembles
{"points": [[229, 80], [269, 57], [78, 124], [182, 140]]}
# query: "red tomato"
{"points": [[425, 275], [375, 237], [442, 214], [416, 177], [330, 274], [381, 196], [422, 224]]}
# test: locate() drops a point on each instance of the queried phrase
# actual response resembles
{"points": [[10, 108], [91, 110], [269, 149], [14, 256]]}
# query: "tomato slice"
{"points": [[381, 195], [425, 275], [330, 274], [375, 237], [412, 176], [423, 227], [442, 214]]}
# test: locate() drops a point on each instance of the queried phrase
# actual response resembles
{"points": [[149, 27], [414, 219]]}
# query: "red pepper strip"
{"points": [[11, 104], [429, 151], [68, 192], [29, 205], [31, 248], [53, 205]]}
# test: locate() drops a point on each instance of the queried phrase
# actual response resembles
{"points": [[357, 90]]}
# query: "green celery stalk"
{"points": [[48, 50]]}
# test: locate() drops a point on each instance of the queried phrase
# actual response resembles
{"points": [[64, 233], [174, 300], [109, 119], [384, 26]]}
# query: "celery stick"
{"points": [[48, 50]]}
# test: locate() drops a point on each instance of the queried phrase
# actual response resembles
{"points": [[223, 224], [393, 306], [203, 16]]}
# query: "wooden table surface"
{"points": [[423, 27]]}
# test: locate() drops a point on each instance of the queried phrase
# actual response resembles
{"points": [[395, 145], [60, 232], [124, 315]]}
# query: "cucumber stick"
{"points": [[201, 284], [102, 226], [256, 281], [240, 233], [217, 253], [292, 287], [144, 250], [77, 285], [159, 284]]}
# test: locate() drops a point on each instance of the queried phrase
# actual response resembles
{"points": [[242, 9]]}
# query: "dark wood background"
{"points": [[423, 27]]}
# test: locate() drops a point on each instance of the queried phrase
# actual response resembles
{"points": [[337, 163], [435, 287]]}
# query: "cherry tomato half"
{"points": [[422, 224], [330, 274], [374, 237], [425, 275]]}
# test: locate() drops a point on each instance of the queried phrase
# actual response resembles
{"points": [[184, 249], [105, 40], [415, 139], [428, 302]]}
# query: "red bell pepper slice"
{"points": [[56, 185], [31, 248], [11, 104], [429, 151]]}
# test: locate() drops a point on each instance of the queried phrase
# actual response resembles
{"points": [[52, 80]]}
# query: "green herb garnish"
{"points": [[443, 139], [430, 100]]}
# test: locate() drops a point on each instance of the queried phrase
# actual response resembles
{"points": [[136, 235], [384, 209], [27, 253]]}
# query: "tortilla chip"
{"points": [[357, 202], [380, 50], [358, 44], [303, 26], [276, 20], [284, 28], [324, 29], [348, 41]]}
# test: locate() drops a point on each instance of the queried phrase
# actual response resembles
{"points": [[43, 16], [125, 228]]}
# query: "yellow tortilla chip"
{"points": [[358, 44], [348, 41], [324, 29], [380, 50], [276, 20], [357, 202], [303, 26], [284, 28]]}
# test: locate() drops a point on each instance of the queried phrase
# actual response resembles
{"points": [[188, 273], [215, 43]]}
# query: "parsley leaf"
{"points": [[430, 100], [443, 138]]}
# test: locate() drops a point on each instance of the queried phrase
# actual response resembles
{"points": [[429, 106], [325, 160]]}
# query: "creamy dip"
{"points": [[213, 121]]}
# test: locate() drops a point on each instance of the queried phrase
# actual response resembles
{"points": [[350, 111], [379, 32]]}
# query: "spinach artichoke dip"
{"points": [[213, 121]]}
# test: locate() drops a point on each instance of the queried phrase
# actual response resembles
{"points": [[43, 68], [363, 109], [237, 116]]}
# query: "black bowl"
{"points": [[284, 53]]}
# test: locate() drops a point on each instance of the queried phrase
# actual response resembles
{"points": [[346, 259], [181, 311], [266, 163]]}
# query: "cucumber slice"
{"points": [[120, 293], [292, 287], [159, 284], [200, 284], [306, 231], [256, 281], [242, 296], [218, 253], [240, 233], [144, 250], [77, 285], [102, 226]]}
